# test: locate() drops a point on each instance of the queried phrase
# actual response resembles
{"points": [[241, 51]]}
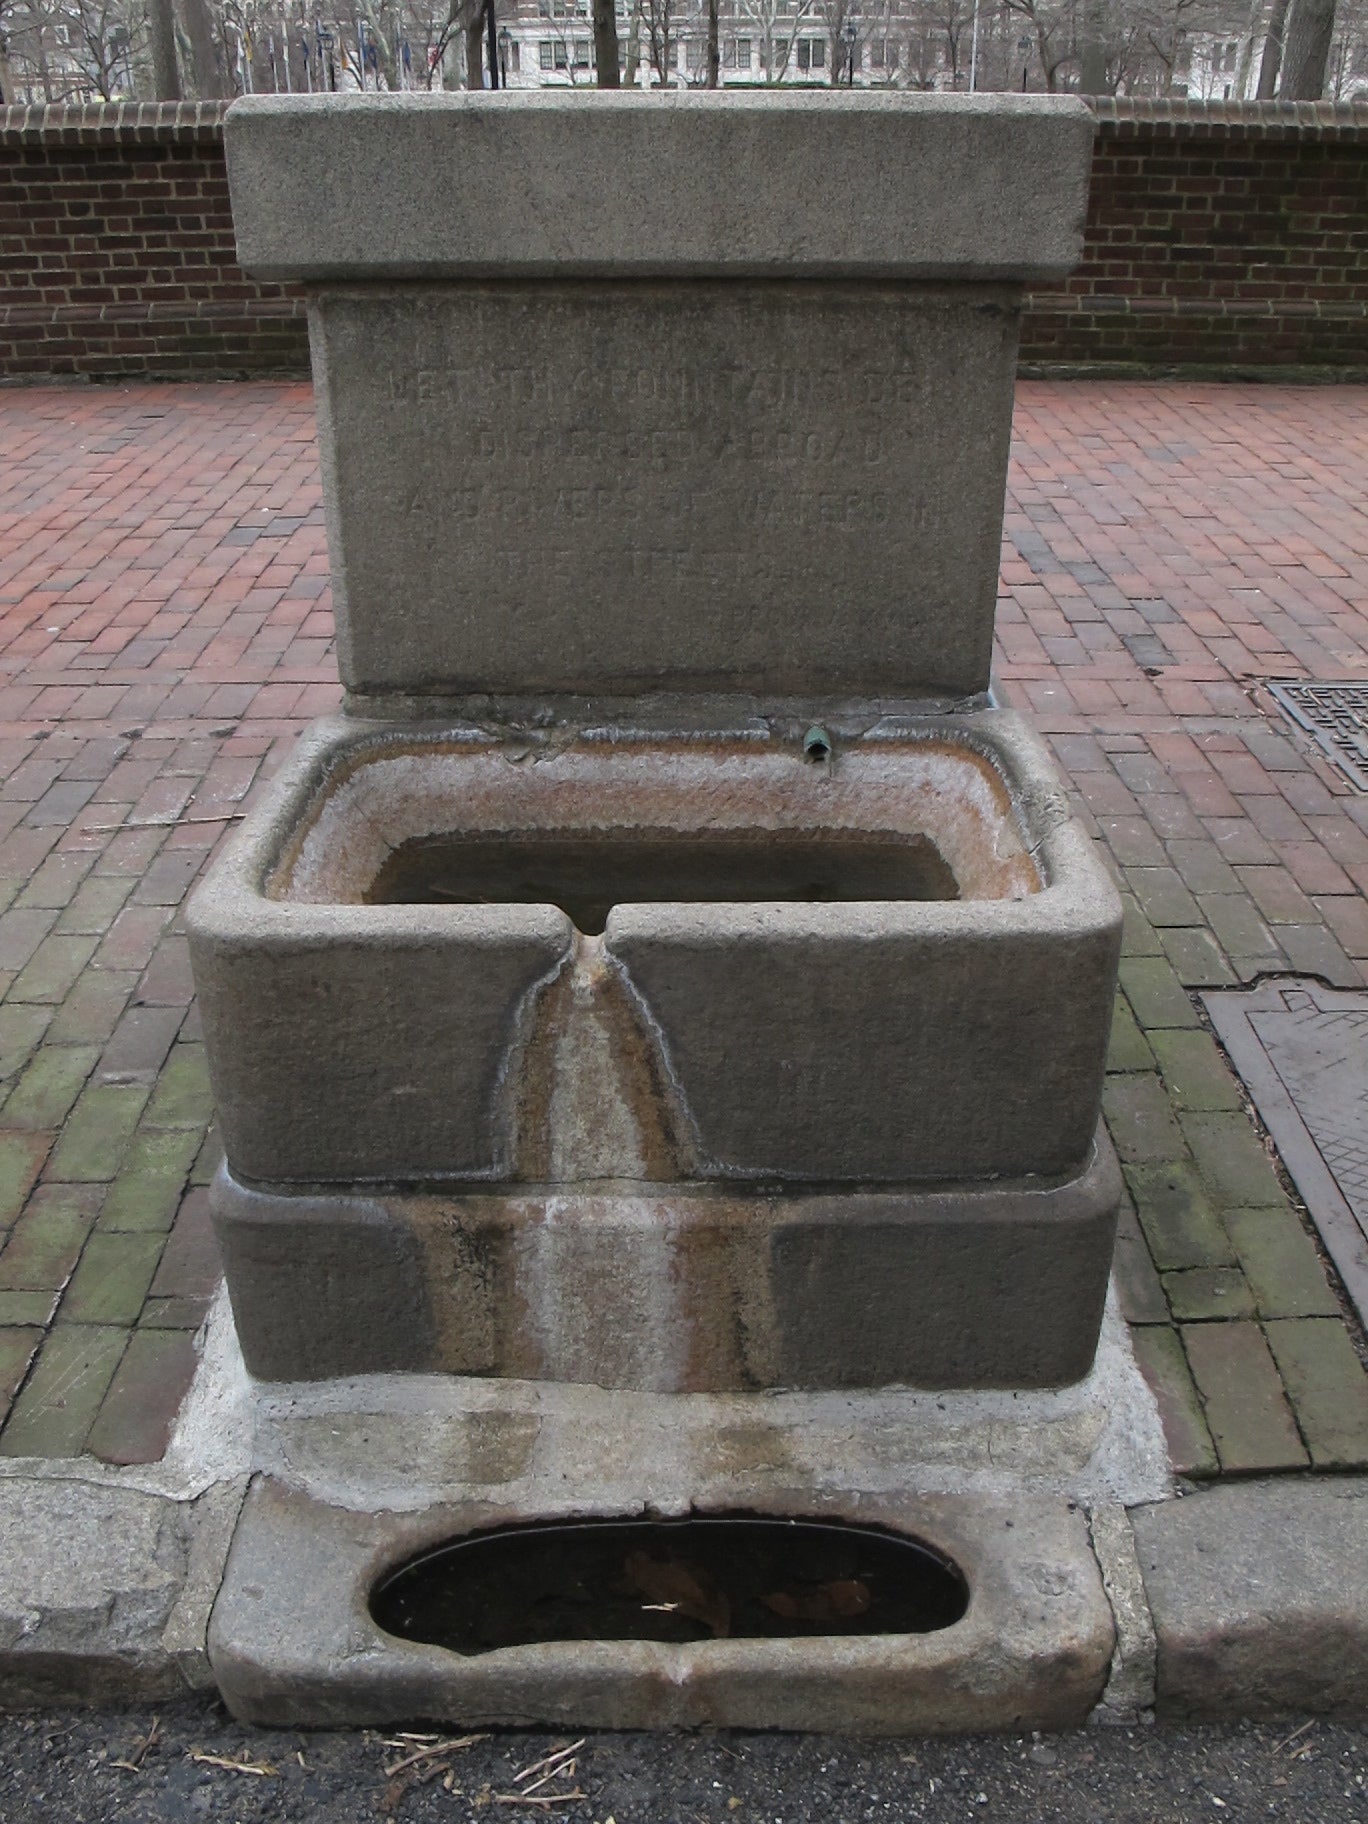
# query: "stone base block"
{"points": [[677, 1288], [293, 1642]]}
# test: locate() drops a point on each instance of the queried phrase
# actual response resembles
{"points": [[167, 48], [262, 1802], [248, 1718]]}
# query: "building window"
{"points": [[811, 53], [581, 53], [546, 54]]}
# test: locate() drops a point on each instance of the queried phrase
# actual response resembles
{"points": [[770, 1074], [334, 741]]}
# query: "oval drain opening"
{"points": [[707, 1577]]}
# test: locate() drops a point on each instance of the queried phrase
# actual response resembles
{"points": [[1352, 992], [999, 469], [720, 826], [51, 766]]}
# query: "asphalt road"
{"points": [[65, 1769]]}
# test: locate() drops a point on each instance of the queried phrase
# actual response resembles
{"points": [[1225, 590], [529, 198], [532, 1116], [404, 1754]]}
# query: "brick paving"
{"points": [[165, 632]]}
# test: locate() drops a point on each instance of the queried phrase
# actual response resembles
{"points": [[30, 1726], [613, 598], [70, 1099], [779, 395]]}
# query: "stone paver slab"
{"points": [[1179, 1222], [1281, 1264], [1156, 994], [139, 1411], [147, 1192], [59, 1401], [45, 1093], [93, 1143], [1207, 1294], [1233, 1160], [47, 1240], [1161, 1358], [1196, 1075], [1242, 1397], [1327, 1386], [112, 1279], [1140, 1120]]}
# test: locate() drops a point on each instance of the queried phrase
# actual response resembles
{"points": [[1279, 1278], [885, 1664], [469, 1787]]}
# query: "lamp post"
{"points": [[325, 49], [1024, 46], [505, 39], [492, 44], [848, 34]]}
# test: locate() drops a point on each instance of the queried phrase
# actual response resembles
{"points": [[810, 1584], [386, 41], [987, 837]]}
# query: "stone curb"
{"points": [[106, 1591], [1259, 1594], [1245, 1600]]}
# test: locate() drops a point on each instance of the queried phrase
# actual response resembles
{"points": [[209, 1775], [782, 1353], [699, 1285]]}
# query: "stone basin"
{"points": [[891, 967], [661, 1061]]}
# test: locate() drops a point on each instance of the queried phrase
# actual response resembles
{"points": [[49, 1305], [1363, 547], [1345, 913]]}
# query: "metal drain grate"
{"points": [[1336, 718]]}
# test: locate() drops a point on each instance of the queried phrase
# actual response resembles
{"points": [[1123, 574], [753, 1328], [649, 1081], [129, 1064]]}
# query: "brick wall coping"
{"points": [[201, 122]]}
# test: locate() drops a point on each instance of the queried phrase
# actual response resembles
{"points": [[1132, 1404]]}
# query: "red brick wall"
{"points": [[1219, 235], [1230, 235], [116, 250]]}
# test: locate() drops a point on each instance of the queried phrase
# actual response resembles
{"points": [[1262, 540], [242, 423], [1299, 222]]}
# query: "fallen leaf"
{"points": [[669, 1581], [837, 1601]]}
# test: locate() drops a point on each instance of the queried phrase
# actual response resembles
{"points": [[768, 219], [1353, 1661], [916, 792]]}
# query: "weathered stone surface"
{"points": [[676, 1287], [105, 1592], [1259, 1592], [652, 488], [738, 479], [885, 1039], [357, 1044], [1130, 1685], [924, 1042], [292, 1641], [589, 185]]}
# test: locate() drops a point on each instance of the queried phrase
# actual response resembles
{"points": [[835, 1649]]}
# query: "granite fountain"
{"points": [[658, 1027]]}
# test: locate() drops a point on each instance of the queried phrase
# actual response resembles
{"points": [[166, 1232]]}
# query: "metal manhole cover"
{"points": [[1336, 718], [1302, 1051]]}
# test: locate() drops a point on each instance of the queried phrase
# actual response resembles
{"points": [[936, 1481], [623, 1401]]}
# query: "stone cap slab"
{"points": [[628, 185]]}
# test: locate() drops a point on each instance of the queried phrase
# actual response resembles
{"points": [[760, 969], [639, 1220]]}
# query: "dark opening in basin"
{"points": [[587, 874], [703, 1578]]}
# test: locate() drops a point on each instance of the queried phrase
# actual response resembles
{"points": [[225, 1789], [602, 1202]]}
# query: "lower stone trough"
{"points": [[658, 1030]]}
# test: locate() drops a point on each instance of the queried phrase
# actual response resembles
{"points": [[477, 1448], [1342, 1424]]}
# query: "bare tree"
{"points": [[1053, 29], [1309, 32], [1272, 54], [606, 59], [776, 27]]}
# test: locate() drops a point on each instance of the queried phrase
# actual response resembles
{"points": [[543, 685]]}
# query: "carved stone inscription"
{"points": [[775, 488]]}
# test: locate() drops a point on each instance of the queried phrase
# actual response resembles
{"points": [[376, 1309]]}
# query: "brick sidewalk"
{"points": [[165, 633]]}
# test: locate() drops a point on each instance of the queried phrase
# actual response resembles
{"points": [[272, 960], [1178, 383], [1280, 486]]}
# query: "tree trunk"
{"points": [[1309, 33], [606, 44], [1244, 68], [9, 89], [1272, 57], [1092, 73], [161, 29], [492, 37], [206, 74], [714, 52], [633, 47], [474, 52]]}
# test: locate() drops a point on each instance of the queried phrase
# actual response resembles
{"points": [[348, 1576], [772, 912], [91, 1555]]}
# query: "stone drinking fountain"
{"points": [[658, 1029]]}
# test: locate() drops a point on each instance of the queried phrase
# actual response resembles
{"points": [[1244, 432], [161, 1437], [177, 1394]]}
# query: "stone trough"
{"points": [[673, 979], [682, 1142]]}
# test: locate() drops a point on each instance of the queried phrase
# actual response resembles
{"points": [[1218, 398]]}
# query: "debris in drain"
{"points": [[668, 1580], [674, 1588], [834, 1601]]}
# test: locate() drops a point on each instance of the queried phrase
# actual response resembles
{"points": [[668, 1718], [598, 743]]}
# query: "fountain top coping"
{"points": [[576, 184]]}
